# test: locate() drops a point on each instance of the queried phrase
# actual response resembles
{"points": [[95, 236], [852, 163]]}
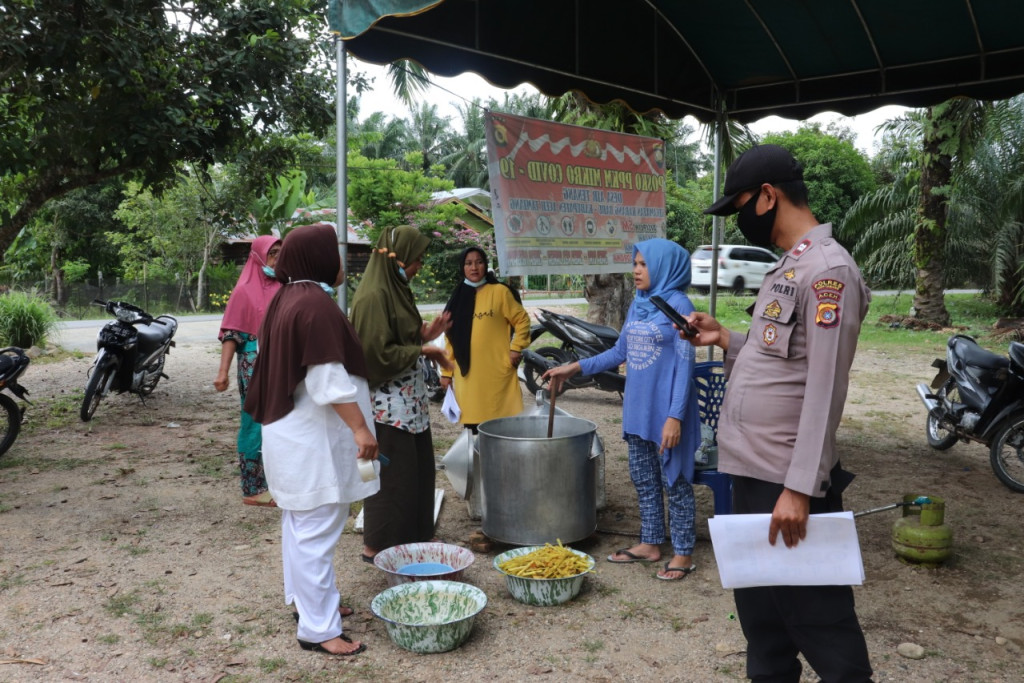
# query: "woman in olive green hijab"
{"points": [[395, 342]]}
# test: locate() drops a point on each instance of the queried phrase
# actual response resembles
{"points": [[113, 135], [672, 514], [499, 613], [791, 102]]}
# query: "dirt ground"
{"points": [[126, 555]]}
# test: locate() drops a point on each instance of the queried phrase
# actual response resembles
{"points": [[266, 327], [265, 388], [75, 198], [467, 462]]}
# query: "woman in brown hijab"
{"points": [[309, 391], [394, 339]]}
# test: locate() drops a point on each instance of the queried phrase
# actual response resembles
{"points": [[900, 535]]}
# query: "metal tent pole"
{"points": [[716, 223], [341, 146]]}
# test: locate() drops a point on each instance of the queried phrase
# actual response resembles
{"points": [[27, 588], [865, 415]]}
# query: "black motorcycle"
{"points": [[580, 339], [978, 396], [131, 351], [13, 362]]}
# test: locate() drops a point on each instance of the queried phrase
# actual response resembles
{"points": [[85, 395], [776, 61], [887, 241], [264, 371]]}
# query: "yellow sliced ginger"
{"points": [[549, 562]]}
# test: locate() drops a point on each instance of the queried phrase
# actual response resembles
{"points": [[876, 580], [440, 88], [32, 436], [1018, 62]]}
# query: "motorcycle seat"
{"points": [[977, 357], [154, 334], [1017, 354], [602, 331]]}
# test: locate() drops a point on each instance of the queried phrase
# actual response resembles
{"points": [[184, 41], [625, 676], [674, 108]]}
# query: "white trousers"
{"points": [[308, 541]]}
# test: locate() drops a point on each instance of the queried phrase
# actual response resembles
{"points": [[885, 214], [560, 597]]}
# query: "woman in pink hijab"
{"points": [[248, 303]]}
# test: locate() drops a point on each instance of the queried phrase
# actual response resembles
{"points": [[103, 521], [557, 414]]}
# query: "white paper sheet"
{"points": [[450, 407], [828, 556]]}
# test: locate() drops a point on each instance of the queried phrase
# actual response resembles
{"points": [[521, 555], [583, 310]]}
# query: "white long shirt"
{"points": [[309, 455]]}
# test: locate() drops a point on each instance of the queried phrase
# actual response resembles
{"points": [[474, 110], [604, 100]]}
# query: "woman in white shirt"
{"points": [[309, 391]]}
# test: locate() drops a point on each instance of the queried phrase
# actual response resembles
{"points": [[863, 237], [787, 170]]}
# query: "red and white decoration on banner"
{"points": [[572, 200]]}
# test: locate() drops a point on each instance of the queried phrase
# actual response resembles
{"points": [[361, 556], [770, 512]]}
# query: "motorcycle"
{"points": [[978, 396], [131, 351], [580, 339], [13, 362]]}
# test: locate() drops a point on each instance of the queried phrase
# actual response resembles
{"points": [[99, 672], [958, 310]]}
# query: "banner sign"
{"points": [[572, 200]]}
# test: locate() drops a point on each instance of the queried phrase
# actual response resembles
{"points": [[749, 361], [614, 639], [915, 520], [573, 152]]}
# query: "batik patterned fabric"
{"points": [[401, 402], [250, 438]]}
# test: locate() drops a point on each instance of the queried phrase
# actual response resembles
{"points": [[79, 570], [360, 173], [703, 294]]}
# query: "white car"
{"points": [[740, 267]]}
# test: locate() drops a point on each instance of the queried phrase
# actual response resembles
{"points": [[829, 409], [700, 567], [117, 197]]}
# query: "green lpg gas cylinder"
{"points": [[920, 536]]}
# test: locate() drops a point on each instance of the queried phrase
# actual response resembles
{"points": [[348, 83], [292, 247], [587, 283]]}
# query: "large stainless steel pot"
{"points": [[535, 489]]}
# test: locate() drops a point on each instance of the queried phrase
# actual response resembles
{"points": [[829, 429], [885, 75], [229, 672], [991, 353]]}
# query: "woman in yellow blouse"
{"points": [[490, 328]]}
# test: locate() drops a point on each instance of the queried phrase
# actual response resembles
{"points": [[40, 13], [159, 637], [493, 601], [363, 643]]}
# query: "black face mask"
{"points": [[757, 229]]}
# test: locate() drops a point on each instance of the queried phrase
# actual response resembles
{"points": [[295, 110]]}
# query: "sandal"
{"points": [[683, 572], [318, 647], [263, 500], [631, 557]]}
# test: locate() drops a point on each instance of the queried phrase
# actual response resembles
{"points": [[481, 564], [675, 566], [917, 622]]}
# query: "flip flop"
{"points": [[683, 572], [263, 500], [632, 557], [317, 647]]}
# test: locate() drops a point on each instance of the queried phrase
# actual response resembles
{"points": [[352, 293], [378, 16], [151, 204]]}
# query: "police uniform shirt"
{"points": [[788, 377]]}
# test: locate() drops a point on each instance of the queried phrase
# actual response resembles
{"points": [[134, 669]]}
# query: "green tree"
{"points": [[880, 223], [383, 195], [987, 212], [950, 131], [835, 172], [93, 90], [66, 233], [466, 163], [175, 234], [380, 136], [429, 134]]}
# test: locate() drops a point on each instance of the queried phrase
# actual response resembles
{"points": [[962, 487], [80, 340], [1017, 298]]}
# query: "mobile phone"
{"points": [[674, 315]]}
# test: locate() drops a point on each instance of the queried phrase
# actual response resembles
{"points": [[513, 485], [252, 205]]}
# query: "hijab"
{"points": [[668, 268], [462, 306], [383, 308], [303, 325], [253, 292]]}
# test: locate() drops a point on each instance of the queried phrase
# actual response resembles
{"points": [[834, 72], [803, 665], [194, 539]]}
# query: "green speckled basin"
{"points": [[542, 592], [429, 616]]}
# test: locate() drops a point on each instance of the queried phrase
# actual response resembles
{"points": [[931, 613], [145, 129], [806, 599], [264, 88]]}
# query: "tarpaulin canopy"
{"points": [[746, 58]]}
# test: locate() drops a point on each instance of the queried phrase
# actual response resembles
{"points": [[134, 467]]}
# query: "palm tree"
{"points": [[950, 131], [408, 80], [466, 164], [381, 137], [429, 134], [880, 224], [990, 199]]}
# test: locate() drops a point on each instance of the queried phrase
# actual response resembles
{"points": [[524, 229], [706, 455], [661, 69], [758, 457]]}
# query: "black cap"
{"points": [[758, 165]]}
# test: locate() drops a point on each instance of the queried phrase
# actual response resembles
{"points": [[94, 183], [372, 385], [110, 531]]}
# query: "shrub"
{"points": [[25, 320]]}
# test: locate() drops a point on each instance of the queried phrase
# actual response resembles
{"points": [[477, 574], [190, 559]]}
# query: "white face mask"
{"points": [[474, 285], [323, 285]]}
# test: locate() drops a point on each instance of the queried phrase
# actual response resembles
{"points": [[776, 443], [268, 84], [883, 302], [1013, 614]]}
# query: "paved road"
{"points": [[80, 335]]}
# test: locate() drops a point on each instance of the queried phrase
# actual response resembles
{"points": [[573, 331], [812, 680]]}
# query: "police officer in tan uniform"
{"points": [[787, 383]]}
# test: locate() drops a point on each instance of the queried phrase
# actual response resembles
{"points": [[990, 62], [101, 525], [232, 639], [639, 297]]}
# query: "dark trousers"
{"points": [[780, 621], [403, 510]]}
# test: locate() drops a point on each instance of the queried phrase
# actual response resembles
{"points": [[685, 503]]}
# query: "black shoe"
{"points": [[317, 647]]}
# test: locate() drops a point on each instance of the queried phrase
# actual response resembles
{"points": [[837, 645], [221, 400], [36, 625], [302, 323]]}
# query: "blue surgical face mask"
{"points": [[401, 271], [327, 288], [269, 272], [474, 285]]}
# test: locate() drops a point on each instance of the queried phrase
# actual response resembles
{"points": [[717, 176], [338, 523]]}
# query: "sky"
{"points": [[449, 92]]}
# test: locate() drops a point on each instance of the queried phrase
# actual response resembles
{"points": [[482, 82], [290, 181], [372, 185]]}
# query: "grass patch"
{"points": [[122, 604], [972, 312], [270, 665], [209, 465], [13, 581]]}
